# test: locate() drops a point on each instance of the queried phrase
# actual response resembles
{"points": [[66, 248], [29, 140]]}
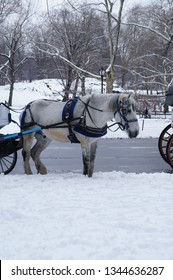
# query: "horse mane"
{"points": [[102, 101]]}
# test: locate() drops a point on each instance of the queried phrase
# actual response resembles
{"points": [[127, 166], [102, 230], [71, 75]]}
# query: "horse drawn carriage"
{"points": [[80, 120]]}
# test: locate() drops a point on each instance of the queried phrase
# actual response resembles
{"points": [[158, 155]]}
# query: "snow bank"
{"points": [[67, 216]]}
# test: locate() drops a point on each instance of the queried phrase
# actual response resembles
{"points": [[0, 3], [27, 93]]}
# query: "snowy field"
{"points": [[113, 215]]}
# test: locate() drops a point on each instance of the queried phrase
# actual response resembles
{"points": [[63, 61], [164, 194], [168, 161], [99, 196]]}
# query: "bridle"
{"points": [[122, 108]]}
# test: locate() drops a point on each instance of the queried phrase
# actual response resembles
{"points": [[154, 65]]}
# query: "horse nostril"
{"points": [[137, 132], [130, 135]]}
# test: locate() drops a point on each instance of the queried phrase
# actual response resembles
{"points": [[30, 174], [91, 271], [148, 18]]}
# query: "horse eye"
{"points": [[129, 111]]}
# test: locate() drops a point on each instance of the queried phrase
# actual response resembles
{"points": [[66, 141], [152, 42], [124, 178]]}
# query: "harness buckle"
{"points": [[72, 137]]}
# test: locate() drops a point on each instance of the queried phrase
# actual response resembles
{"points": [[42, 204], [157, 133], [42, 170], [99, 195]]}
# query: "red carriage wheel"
{"points": [[163, 141], [169, 151]]}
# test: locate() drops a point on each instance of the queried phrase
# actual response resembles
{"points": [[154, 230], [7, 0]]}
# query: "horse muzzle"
{"points": [[133, 134]]}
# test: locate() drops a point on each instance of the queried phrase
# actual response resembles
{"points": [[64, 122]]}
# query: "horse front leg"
{"points": [[85, 157], [93, 148], [27, 143], [88, 156]]}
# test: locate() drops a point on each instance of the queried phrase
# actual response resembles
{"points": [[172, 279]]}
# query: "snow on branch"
{"points": [[149, 28], [5, 64], [57, 54]]}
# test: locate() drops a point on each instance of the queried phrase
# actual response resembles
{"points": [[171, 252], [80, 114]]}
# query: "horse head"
{"points": [[125, 114]]}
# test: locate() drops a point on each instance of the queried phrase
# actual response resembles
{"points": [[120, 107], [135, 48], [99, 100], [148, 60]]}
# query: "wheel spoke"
{"points": [[169, 151], [1, 164], [7, 163], [164, 140]]}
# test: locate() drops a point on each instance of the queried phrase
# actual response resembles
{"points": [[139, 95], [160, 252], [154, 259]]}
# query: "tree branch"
{"points": [[57, 54]]}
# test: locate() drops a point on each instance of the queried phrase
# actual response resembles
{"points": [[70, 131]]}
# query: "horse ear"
{"points": [[133, 97]]}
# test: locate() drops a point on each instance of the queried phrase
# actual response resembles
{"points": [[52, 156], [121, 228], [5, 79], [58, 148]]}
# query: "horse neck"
{"points": [[105, 104]]}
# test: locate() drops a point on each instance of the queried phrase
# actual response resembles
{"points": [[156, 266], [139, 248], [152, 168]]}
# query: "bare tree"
{"points": [[73, 39], [14, 40], [151, 50], [113, 26]]}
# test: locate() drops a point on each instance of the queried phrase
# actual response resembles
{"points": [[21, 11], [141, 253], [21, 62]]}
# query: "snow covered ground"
{"points": [[113, 215]]}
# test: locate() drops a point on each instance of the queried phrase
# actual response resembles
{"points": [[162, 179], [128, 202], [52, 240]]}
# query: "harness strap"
{"points": [[67, 116], [90, 131], [22, 121], [24, 125]]}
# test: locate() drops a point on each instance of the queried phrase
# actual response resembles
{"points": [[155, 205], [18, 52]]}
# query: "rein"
{"points": [[87, 110], [87, 105]]}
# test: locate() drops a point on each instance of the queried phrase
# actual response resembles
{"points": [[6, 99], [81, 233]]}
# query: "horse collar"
{"points": [[67, 113]]}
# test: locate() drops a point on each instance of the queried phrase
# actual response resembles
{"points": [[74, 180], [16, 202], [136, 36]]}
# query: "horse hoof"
{"points": [[29, 173], [42, 171]]}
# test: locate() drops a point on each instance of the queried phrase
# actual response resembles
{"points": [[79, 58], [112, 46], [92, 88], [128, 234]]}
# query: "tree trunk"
{"points": [[11, 94], [113, 33], [76, 86], [83, 86], [110, 77], [12, 81], [68, 84]]}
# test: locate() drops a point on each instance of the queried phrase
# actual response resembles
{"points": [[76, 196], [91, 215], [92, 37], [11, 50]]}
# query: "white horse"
{"points": [[82, 120]]}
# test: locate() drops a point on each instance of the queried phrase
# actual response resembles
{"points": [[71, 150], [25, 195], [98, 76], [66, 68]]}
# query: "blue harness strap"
{"points": [[90, 131], [24, 114], [67, 116], [67, 113]]}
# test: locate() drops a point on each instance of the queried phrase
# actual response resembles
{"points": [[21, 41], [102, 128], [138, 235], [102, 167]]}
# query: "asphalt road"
{"points": [[128, 155]]}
